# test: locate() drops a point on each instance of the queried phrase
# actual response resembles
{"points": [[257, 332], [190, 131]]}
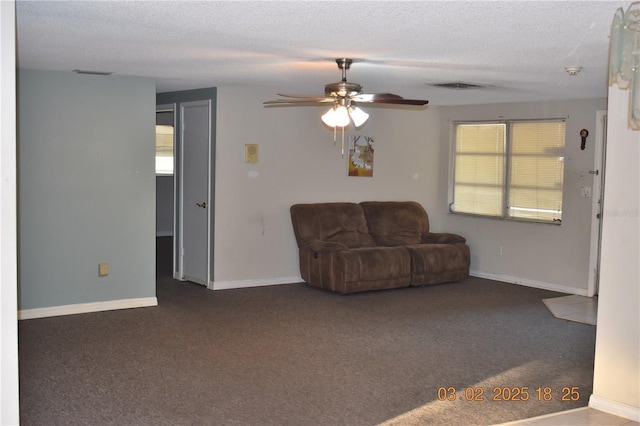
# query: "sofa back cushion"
{"points": [[342, 223], [394, 223]]}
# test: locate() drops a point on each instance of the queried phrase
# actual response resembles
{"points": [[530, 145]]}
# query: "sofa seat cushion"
{"points": [[376, 262], [374, 268], [438, 263]]}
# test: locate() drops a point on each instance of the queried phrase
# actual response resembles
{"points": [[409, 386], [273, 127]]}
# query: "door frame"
{"points": [[179, 196], [599, 172], [172, 107], [176, 98]]}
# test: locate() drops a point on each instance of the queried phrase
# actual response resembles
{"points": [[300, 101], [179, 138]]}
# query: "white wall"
{"points": [[86, 189], [541, 255], [616, 383], [254, 241], [9, 389]]}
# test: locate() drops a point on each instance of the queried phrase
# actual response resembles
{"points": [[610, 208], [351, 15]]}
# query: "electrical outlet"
{"points": [[251, 153], [500, 251], [103, 269]]}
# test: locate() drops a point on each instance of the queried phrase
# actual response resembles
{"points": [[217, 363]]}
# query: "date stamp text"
{"points": [[509, 393]]}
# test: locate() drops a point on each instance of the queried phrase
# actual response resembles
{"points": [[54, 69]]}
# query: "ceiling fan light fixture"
{"points": [[343, 96], [337, 116], [358, 116], [328, 118], [342, 116]]}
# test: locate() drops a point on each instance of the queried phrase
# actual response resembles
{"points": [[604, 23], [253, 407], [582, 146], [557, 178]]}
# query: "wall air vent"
{"points": [[458, 86]]}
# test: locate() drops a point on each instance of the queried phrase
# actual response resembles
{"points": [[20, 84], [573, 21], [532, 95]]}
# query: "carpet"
{"points": [[452, 354]]}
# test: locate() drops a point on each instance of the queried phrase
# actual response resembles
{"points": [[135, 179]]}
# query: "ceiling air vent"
{"points": [[457, 86], [93, 72]]}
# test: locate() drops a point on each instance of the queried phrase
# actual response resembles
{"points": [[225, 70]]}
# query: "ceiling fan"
{"points": [[344, 95]]}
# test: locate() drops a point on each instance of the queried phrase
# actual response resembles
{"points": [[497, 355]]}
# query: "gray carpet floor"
{"points": [[296, 355]]}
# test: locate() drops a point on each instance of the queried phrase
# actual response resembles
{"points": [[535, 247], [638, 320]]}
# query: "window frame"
{"points": [[506, 172]]}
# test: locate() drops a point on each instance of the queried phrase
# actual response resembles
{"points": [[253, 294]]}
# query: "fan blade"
{"points": [[299, 101], [401, 101], [370, 97], [284, 95], [387, 98]]}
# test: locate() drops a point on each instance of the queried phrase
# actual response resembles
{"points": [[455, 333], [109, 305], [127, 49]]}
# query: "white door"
{"points": [[598, 202], [195, 143]]}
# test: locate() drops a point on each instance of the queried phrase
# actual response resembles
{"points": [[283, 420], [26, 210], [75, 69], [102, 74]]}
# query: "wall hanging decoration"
{"points": [[361, 150], [624, 57], [583, 138]]}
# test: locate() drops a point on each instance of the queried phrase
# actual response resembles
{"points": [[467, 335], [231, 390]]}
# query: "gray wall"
{"points": [[95, 187], [541, 255], [298, 162], [86, 188], [164, 206]]}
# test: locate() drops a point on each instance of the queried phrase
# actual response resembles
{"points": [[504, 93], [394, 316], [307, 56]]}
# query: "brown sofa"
{"points": [[349, 247]]}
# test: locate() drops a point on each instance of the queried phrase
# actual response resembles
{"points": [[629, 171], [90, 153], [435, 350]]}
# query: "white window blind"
{"points": [[536, 172], [479, 169], [164, 150], [509, 169]]}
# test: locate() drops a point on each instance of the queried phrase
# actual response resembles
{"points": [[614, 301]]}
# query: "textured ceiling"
{"points": [[517, 49]]}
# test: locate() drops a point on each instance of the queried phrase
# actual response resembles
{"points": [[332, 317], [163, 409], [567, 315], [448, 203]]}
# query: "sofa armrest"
{"points": [[318, 246], [442, 238]]}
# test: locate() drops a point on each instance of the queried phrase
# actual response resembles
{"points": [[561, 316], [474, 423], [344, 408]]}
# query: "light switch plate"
{"points": [[251, 153]]}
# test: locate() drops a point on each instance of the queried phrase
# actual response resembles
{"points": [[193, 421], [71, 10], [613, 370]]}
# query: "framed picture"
{"points": [[361, 151]]}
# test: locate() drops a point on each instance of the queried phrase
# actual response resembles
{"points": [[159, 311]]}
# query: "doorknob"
{"points": [[202, 204]]}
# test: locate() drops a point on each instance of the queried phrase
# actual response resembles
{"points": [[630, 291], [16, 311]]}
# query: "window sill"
{"points": [[508, 219]]}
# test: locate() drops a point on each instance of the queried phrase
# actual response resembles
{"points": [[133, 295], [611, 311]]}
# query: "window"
{"points": [[164, 150], [512, 169]]}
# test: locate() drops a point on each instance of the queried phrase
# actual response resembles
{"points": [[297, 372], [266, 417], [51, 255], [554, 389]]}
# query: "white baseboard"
{"points": [[529, 283], [533, 420], [227, 285], [164, 233], [615, 408], [83, 308]]}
